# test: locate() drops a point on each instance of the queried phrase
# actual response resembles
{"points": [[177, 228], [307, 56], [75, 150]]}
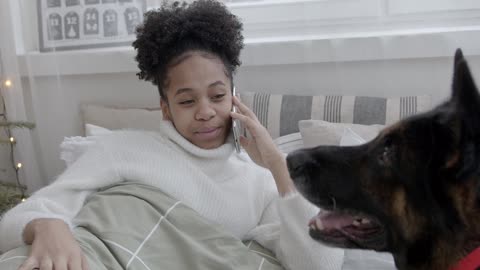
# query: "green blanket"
{"points": [[135, 226]]}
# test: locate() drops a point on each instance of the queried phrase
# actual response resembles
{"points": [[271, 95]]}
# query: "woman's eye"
{"points": [[217, 97], [186, 102]]}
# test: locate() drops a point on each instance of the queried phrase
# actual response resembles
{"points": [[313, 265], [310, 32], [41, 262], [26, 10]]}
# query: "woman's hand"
{"points": [[53, 247], [261, 148]]}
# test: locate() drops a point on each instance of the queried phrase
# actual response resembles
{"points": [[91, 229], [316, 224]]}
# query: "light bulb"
{"points": [[12, 139], [23, 199], [19, 165], [8, 83]]}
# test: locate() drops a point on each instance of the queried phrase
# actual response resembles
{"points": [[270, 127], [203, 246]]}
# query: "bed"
{"points": [[113, 239]]}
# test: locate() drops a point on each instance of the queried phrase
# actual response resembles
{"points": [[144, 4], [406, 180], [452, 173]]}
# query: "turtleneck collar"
{"points": [[223, 152]]}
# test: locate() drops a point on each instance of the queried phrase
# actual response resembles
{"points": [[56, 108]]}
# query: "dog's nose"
{"points": [[296, 161]]}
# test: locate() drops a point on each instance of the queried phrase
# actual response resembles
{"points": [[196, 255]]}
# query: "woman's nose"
{"points": [[205, 111]]}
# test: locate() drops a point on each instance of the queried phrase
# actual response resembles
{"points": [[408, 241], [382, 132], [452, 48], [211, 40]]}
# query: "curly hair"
{"points": [[176, 28]]}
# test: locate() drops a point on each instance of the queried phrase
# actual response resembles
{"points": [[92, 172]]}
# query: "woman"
{"points": [[190, 52]]}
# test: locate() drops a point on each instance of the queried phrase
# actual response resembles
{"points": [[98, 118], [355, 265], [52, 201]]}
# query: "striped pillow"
{"points": [[280, 114]]}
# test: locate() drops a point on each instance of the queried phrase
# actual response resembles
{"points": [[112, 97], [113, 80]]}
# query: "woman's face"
{"points": [[199, 97]]}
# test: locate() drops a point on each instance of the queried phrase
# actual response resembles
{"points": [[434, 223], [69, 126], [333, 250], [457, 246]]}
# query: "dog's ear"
{"points": [[458, 57], [464, 118], [465, 95]]}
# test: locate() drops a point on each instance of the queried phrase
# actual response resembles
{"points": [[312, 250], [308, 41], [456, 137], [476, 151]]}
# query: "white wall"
{"points": [[57, 99], [305, 47], [384, 78]]}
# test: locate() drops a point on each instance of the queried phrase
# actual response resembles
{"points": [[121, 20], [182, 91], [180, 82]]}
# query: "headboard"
{"points": [[56, 101]]}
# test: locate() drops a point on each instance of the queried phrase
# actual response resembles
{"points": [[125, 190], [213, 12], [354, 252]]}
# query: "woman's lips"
{"points": [[208, 133]]}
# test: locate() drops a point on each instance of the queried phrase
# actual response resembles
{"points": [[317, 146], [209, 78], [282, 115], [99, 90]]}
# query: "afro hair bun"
{"points": [[177, 27]]}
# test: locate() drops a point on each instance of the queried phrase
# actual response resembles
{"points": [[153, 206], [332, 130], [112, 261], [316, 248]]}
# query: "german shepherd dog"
{"points": [[413, 191]]}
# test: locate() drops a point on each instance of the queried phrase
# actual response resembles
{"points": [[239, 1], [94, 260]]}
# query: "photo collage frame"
{"points": [[84, 24]]}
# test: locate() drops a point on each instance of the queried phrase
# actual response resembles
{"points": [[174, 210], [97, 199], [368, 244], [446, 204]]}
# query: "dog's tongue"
{"points": [[331, 220]]}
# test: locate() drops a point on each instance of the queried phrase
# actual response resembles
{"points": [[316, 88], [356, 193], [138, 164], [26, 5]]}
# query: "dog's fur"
{"points": [[417, 184]]}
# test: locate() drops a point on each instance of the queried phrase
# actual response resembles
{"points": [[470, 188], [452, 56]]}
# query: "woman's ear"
{"points": [[165, 109]]}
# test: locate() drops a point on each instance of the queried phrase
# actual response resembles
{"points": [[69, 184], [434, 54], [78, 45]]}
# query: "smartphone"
{"points": [[235, 127]]}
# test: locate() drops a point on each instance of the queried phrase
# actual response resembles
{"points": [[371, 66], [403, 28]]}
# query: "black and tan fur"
{"points": [[418, 181]]}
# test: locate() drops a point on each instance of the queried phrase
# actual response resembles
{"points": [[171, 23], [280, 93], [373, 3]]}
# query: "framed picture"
{"points": [[83, 24]]}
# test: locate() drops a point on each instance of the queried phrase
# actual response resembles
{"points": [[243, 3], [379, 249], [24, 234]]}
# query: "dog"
{"points": [[413, 191]]}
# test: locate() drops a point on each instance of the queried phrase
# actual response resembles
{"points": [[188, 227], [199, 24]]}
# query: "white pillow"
{"points": [[72, 148], [350, 138], [289, 143], [94, 130], [122, 118], [319, 132]]}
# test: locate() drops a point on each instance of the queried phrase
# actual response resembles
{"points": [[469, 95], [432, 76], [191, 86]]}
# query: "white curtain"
{"points": [[24, 153]]}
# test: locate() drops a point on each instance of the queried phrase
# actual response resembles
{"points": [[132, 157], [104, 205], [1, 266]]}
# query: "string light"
{"points": [[8, 84]]}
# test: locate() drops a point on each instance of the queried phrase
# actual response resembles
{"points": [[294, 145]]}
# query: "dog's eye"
{"points": [[386, 155]]}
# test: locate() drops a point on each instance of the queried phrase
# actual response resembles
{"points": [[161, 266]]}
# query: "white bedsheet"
{"points": [[356, 259]]}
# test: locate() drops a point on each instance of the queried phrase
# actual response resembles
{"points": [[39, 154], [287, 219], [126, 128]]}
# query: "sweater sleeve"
{"points": [[283, 229], [63, 198]]}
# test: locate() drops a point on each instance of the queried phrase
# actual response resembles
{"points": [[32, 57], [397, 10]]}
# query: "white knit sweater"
{"points": [[222, 186]]}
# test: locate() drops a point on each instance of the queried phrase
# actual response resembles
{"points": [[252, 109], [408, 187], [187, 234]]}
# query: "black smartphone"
{"points": [[235, 127]]}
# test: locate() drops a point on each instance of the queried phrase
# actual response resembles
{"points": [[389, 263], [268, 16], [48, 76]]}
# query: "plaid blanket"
{"points": [[134, 226]]}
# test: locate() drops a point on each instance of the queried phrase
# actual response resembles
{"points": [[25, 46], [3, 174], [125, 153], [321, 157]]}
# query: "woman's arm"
{"points": [[261, 148], [282, 177], [45, 219], [283, 227]]}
